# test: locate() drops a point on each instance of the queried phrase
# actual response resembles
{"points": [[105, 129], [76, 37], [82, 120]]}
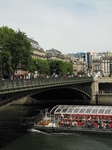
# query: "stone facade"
{"points": [[102, 62], [37, 51]]}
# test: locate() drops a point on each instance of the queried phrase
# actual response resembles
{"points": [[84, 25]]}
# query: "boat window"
{"points": [[76, 110], [58, 110], [82, 111], [107, 111], [64, 110], [94, 111], [88, 111], [70, 110], [101, 111], [53, 109]]}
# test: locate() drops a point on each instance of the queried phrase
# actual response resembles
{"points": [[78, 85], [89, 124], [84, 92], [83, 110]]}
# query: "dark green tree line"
{"points": [[17, 52], [42, 66], [16, 49], [60, 67]]}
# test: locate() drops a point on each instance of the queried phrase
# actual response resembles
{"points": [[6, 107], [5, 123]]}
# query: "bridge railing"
{"points": [[105, 92], [18, 83]]}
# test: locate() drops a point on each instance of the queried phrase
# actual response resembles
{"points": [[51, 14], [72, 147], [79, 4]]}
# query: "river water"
{"points": [[13, 137]]}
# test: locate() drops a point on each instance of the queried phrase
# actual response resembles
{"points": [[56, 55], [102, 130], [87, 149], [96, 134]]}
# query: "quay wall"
{"points": [[25, 101], [104, 99]]}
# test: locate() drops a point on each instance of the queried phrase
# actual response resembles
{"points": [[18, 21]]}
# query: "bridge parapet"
{"points": [[104, 80], [7, 86]]}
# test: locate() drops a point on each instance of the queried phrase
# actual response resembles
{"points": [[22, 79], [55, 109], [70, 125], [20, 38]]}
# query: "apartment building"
{"points": [[97, 63], [37, 51], [107, 65], [102, 62], [54, 54]]}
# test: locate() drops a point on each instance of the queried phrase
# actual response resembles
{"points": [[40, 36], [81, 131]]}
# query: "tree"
{"points": [[66, 68], [60, 67], [42, 66], [32, 66], [15, 46], [53, 64]]}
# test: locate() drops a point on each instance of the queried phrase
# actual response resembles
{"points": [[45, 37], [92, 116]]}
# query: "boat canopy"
{"points": [[79, 109]]}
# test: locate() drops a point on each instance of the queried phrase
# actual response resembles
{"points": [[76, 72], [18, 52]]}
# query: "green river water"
{"points": [[13, 137]]}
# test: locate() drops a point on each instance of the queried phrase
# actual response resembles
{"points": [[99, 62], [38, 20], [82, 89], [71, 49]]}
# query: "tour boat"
{"points": [[76, 119]]}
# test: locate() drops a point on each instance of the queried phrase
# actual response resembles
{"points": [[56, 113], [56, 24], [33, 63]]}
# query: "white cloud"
{"points": [[67, 25]]}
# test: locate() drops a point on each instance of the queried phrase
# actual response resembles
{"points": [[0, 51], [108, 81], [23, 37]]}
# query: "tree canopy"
{"points": [[16, 49], [17, 52], [60, 67], [42, 66]]}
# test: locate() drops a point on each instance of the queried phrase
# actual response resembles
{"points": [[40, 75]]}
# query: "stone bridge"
{"points": [[70, 90], [11, 90], [102, 91]]}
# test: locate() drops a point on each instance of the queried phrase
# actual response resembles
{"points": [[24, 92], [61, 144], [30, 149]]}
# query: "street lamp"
{"points": [[0, 61]]}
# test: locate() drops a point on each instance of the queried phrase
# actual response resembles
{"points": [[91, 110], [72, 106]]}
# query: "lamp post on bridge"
{"points": [[1, 61]]}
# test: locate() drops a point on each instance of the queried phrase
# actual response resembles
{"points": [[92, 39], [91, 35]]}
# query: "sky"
{"points": [[69, 26]]}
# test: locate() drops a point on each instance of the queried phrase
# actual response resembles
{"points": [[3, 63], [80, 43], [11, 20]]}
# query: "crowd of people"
{"points": [[90, 121]]}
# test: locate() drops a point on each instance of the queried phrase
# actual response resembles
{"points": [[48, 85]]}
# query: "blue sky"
{"points": [[67, 25]]}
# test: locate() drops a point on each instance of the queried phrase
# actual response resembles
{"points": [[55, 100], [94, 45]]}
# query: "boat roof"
{"points": [[82, 109]]}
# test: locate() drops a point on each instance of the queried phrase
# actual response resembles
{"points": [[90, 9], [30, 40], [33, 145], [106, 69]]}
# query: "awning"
{"points": [[102, 111]]}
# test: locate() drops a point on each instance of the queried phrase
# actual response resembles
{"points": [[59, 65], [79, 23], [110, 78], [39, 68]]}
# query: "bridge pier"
{"points": [[95, 91], [99, 96], [104, 99]]}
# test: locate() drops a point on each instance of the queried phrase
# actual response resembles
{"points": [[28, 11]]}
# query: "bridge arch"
{"points": [[12, 90], [66, 92]]}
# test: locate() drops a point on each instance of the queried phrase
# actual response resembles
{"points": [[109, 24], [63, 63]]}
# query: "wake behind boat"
{"points": [[76, 119]]}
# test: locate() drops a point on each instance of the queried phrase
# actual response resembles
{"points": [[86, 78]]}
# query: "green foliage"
{"points": [[32, 67], [60, 67], [66, 68], [16, 47], [42, 66], [54, 66], [6, 35]]}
